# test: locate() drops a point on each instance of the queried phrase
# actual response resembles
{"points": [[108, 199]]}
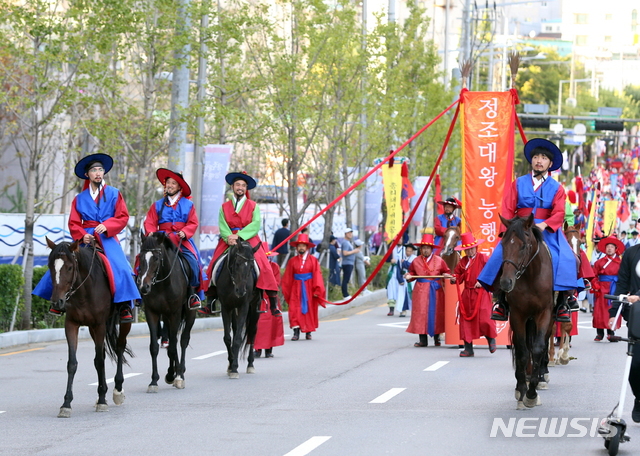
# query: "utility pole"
{"points": [[180, 91], [198, 159]]}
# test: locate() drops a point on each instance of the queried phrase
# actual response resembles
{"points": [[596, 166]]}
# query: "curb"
{"points": [[13, 338]]}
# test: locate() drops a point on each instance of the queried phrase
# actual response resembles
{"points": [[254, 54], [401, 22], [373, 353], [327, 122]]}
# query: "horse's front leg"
{"points": [[98, 335], [565, 341], [118, 392], [237, 324], [153, 320], [185, 337], [226, 321], [172, 377], [71, 332], [521, 359]]}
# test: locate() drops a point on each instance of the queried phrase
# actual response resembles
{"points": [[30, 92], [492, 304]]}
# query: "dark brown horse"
{"points": [[80, 285], [164, 285], [527, 280], [450, 239], [239, 300]]}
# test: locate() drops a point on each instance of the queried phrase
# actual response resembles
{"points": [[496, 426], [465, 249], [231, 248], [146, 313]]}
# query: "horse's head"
{"points": [[574, 238], [241, 266], [520, 245], [450, 239], [63, 267], [151, 260]]}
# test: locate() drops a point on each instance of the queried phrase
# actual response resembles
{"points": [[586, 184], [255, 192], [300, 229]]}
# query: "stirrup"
{"points": [[194, 302], [499, 313], [563, 315]]}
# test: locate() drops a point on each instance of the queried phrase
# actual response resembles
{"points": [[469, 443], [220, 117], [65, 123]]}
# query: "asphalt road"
{"points": [[358, 388]]}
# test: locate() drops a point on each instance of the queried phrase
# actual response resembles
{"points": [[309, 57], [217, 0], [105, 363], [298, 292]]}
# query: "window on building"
{"points": [[607, 39], [581, 40], [581, 18]]}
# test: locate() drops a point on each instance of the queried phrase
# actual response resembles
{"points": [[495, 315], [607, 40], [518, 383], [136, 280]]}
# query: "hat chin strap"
{"points": [[539, 174]]}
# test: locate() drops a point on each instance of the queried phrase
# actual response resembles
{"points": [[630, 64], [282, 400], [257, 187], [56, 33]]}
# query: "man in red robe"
{"points": [[240, 219], [427, 313], [303, 288], [270, 330], [606, 270], [475, 302]]}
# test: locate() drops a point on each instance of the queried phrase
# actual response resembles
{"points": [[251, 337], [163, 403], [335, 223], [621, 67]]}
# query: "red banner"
{"points": [[488, 123]]}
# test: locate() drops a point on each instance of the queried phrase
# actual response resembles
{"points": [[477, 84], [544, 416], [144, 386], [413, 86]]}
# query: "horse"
{"points": [[239, 301], [164, 286], [81, 287], [450, 239], [527, 281], [572, 233]]}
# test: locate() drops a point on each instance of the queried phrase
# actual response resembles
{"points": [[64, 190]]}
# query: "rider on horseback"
{"points": [[240, 219], [446, 220], [176, 215], [538, 193]]}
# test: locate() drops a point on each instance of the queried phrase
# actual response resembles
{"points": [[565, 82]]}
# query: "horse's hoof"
{"points": [[517, 394], [234, 375], [65, 412], [546, 378], [102, 408], [251, 370], [542, 386], [564, 361], [179, 383], [169, 380], [530, 403], [552, 363], [118, 397], [152, 389], [520, 406]]}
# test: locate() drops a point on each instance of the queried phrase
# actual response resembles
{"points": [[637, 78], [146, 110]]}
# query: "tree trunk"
{"points": [[28, 244]]}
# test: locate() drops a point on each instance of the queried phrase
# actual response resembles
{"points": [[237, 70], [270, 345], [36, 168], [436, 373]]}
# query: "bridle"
{"points": [[522, 267], [237, 254], [155, 279], [76, 272]]}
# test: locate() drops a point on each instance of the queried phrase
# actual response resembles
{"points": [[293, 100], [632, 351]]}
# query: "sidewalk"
{"points": [[10, 339]]}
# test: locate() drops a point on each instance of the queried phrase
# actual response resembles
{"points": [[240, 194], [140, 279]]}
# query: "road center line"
{"points": [[363, 311], [21, 351], [110, 380], [386, 396], [308, 446], [209, 355], [436, 366]]}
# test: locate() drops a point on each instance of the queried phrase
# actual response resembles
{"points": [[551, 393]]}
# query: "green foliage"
{"points": [[11, 282], [40, 317]]}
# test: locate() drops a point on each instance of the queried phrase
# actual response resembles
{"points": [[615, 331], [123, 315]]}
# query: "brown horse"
{"points": [[575, 240], [450, 239], [81, 287], [527, 280]]}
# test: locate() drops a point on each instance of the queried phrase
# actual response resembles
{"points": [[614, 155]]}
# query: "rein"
{"points": [[246, 260], [155, 279], [76, 272]]}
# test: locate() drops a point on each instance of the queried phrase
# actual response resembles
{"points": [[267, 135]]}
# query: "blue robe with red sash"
{"points": [[547, 205], [110, 210]]}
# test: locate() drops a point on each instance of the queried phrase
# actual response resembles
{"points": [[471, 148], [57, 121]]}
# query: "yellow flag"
{"points": [[392, 181], [590, 222], [610, 217]]}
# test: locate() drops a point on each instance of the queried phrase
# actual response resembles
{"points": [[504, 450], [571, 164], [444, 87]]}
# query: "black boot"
{"points": [[424, 341], [273, 306], [500, 309], [125, 313], [492, 344], [209, 309], [468, 351], [268, 353], [296, 334], [257, 353], [561, 310], [436, 340]]}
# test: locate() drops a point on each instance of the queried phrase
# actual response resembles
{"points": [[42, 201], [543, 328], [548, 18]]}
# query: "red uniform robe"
{"points": [[236, 222], [427, 315], [292, 289], [605, 266], [474, 308], [270, 329]]}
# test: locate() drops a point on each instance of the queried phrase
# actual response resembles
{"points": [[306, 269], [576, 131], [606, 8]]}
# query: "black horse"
{"points": [[164, 285], [239, 300], [527, 280], [81, 287]]}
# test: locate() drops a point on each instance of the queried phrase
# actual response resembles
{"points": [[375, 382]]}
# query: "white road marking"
{"points": [[308, 446], [209, 355], [386, 396], [400, 324], [3, 411], [436, 366], [110, 380]]}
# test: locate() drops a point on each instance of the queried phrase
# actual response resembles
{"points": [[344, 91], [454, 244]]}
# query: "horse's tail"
{"points": [[112, 337], [252, 325]]}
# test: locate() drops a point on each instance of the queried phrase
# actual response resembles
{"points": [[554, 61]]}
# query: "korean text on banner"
{"points": [[392, 181], [610, 217], [216, 163], [487, 158]]}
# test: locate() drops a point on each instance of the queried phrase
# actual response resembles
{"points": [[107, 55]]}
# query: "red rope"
{"points": [[417, 205], [373, 170]]}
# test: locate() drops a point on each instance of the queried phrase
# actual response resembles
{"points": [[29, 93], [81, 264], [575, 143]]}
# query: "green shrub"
{"points": [[40, 318], [11, 284]]}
